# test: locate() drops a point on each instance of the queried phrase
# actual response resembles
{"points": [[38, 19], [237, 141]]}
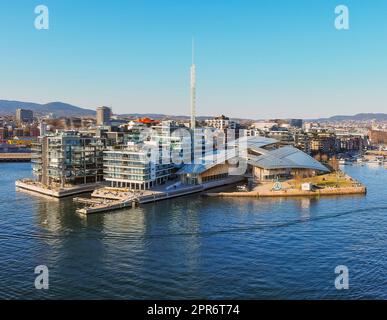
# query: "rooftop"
{"points": [[287, 157]]}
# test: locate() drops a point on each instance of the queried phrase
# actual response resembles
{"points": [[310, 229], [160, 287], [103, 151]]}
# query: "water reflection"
{"points": [[196, 247]]}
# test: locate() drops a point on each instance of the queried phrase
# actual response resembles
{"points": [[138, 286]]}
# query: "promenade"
{"points": [[15, 157], [336, 184], [113, 198]]}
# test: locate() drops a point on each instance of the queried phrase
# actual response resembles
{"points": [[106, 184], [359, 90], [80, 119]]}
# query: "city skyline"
{"points": [[192, 158], [254, 60]]}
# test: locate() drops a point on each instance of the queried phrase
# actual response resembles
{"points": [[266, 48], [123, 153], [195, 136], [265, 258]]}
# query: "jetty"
{"points": [[15, 157], [103, 205], [55, 190], [109, 198]]}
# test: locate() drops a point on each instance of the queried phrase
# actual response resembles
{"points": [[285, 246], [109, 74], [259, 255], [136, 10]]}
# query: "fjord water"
{"points": [[196, 247]]}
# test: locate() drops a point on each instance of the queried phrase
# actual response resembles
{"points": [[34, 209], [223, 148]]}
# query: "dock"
{"points": [[57, 192], [86, 201], [104, 199], [295, 193], [109, 199], [107, 206], [15, 157]]}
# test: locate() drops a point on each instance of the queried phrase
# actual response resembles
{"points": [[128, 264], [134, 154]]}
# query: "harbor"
{"points": [[125, 177], [156, 243], [367, 157], [104, 199], [193, 159]]}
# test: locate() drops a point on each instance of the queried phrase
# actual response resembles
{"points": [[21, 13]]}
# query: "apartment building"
{"points": [[143, 165], [68, 158], [221, 122]]}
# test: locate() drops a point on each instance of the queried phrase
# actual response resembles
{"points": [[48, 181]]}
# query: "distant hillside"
{"points": [[64, 109], [59, 108], [159, 116], [358, 117]]}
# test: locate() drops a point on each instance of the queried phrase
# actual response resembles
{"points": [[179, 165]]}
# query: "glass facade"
{"points": [[133, 168], [68, 158]]}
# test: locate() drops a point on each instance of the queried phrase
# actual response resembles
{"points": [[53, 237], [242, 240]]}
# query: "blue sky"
{"points": [[257, 59]]}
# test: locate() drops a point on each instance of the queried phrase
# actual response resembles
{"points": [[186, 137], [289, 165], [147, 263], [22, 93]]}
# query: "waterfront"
{"points": [[196, 247]]}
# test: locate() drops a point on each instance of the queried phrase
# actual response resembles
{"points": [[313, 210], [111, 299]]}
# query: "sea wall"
{"points": [[294, 193]]}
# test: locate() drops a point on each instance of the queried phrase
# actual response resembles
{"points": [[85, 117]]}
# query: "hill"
{"points": [[60, 109], [358, 117]]}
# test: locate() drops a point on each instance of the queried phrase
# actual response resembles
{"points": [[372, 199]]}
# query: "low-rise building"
{"points": [[264, 160], [222, 122], [283, 164]]}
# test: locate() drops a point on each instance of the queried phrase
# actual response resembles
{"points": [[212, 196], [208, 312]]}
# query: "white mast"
{"points": [[193, 88]]}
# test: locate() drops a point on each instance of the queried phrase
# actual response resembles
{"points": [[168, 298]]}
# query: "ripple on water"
{"points": [[195, 247]]}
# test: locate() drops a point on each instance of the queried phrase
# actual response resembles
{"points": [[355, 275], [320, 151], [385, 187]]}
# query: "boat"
{"points": [[242, 188], [378, 160]]}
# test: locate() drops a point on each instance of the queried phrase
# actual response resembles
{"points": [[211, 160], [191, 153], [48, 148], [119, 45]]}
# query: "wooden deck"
{"points": [[15, 157]]}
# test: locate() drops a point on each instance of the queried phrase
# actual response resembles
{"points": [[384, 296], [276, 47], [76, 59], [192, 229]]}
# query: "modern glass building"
{"points": [[135, 167], [68, 158], [23, 115], [103, 116], [149, 160]]}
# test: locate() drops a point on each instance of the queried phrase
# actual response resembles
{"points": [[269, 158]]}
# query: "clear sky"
{"points": [[257, 59]]}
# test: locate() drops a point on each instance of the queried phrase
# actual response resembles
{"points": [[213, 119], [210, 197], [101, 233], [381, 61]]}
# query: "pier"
{"points": [[104, 205], [109, 199], [55, 191], [86, 201], [15, 157]]}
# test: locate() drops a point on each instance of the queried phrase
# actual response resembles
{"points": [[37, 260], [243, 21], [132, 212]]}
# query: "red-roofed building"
{"points": [[147, 121]]}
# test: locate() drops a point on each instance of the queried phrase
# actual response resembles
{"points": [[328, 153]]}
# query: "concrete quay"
{"points": [[294, 193], [108, 205], [15, 157], [57, 192], [110, 198]]}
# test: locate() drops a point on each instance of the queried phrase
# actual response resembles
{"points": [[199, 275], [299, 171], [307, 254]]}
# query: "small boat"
{"points": [[242, 188], [377, 160]]}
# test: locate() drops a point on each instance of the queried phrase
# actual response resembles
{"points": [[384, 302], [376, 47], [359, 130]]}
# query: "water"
{"points": [[196, 247]]}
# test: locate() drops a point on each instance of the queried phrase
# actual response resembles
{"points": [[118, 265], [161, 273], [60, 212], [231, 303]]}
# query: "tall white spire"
{"points": [[193, 88]]}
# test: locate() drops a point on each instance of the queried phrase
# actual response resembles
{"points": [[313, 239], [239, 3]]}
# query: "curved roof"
{"points": [[192, 169], [258, 142], [287, 158], [207, 162]]}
